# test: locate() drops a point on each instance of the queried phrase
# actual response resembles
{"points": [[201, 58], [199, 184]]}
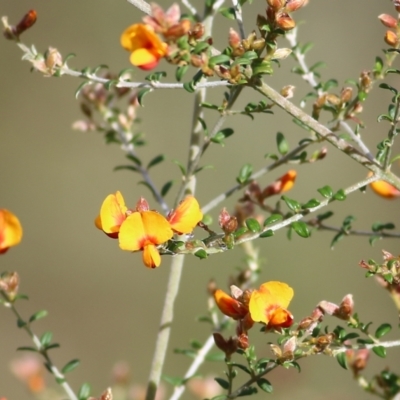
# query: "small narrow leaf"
{"points": [[141, 94], [189, 87], [220, 59], [380, 351], [228, 12], [272, 219], [383, 330], [326, 191], [301, 229], [292, 204], [253, 225], [46, 338], [38, 315], [80, 87], [27, 348], [166, 187], [340, 195], [283, 146], [267, 233], [342, 360], [265, 385], [245, 173], [180, 72], [156, 160], [84, 391], [222, 382], [70, 366]]}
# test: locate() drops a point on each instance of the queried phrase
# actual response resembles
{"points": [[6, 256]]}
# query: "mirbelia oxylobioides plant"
{"points": [[186, 42]]}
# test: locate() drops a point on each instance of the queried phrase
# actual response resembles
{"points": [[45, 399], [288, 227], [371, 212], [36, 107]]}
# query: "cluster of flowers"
{"points": [[267, 305], [143, 229], [392, 38]]}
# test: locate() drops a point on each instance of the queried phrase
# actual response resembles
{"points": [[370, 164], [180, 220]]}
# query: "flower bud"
{"points": [[198, 31], [9, 283], [357, 359], [294, 5], [288, 91], [142, 205], [276, 4], [234, 38], [388, 20], [281, 54], [346, 308], [391, 38], [285, 21], [346, 94], [227, 346]]}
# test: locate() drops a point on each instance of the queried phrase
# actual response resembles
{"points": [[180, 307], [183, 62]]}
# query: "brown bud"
{"points": [[357, 359], [227, 346], [9, 283], [142, 205], [391, 38], [288, 91], [227, 222], [346, 94], [178, 30], [328, 307], [106, 395], [53, 59], [294, 5], [243, 341], [332, 99], [365, 81], [276, 4], [388, 20], [234, 38], [276, 350], [198, 31], [285, 21], [346, 308]]}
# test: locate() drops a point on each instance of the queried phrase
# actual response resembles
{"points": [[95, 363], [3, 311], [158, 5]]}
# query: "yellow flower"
{"points": [[269, 303], [186, 216], [145, 46], [10, 230]]}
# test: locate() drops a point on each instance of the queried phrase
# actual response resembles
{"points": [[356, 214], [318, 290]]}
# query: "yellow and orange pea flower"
{"points": [[268, 305], [384, 189], [143, 229], [10, 230], [145, 46]]}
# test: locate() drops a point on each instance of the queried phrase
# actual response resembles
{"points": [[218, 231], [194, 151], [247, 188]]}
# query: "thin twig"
{"points": [[357, 139], [60, 378], [141, 5], [239, 17], [191, 8]]}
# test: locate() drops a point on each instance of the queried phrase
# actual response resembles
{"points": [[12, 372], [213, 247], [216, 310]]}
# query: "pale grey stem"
{"points": [[239, 17], [142, 5], [190, 7], [301, 215], [357, 139], [388, 344]]}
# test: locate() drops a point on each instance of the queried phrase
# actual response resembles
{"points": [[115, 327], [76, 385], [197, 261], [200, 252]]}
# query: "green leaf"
{"points": [[46, 338], [180, 72], [174, 381], [301, 229], [166, 187], [253, 225], [70, 366], [322, 217], [189, 87], [272, 219], [21, 323], [127, 167], [38, 315], [201, 254], [267, 233], [264, 385], [84, 391], [215, 356], [141, 94], [27, 348], [181, 166], [125, 71], [312, 203], [53, 346], [242, 367], [342, 360], [283, 145], [222, 382], [340, 195], [245, 173], [306, 47], [156, 160], [80, 87], [261, 67], [228, 12], [209, 106], [292, 204], [388, 87], [156, 76], [220, 59], [383, 330], [326, 192], [380, 351]]}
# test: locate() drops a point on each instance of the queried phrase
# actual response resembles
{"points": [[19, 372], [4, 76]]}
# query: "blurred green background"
{"points": [[104, 305]]}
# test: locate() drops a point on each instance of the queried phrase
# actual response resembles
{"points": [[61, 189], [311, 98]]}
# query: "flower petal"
{"points": [[230, 306], [10, 230], [280, 318], [385, 190], [144, 58], [186, 216], [151, 256], [280, 292], [156, 227], [131, 233], [112, 213]]}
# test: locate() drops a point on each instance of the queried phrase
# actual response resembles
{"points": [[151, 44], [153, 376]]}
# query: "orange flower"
{"points": [[186, 216], [269, 303], [282, 184], [10, 230], [143, 229], [145, 46], [384, 189], [112, 213], [229, 306]]}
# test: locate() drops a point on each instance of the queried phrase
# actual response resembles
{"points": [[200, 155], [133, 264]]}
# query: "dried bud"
{"points": [[281, 54], [357, 108], [198, 31], [142, 205], [346, 94], [177, 31], [387, 256], [234, 39], [328, 307], [332, 99], [276, 4], [290, 346], [365, 81], [276, 350], [227, 346], [106, 395], [388, 20], [294, 5], [243, 341], [285, 21], [288, 91], [227, 222], [52, 59], [9, 284], [357, 359], [346, 308], [391, 38], [324, 341]]}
